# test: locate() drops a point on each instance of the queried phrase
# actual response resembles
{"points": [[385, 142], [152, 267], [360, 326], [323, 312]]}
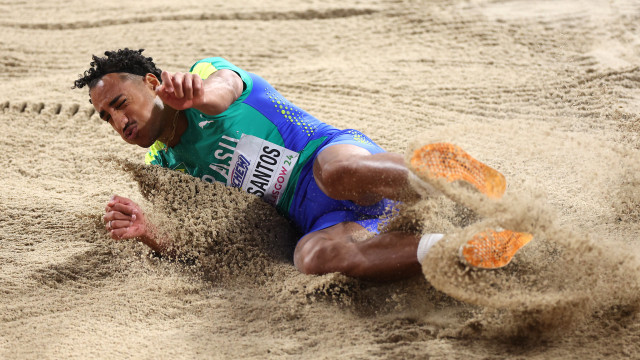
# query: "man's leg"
{"points": [[384, 257], [350, 172]]}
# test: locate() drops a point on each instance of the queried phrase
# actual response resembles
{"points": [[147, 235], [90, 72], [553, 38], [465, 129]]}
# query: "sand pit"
{"points": [[546, 92]]}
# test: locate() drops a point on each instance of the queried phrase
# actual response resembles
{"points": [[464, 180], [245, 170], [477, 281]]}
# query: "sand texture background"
{"points": [[548, 92]]}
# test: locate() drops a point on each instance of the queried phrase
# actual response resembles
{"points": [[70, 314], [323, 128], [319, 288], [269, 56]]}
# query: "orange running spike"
{"points": [[493, 249], [443, 160]]}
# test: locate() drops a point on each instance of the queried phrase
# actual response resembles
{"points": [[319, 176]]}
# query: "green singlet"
{"points": [[261, 143]]}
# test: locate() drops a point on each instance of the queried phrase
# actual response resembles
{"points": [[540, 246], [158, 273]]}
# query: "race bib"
{"points": [[261, 167]]}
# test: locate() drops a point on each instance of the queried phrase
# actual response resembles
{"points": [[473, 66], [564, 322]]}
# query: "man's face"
{"points": [[129, 104]]}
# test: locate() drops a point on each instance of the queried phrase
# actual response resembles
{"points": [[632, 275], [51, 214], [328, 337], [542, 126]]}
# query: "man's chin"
{"points": [[145, 144]]}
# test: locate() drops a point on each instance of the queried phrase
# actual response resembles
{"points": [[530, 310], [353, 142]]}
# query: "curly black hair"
{"points": [[120, 61]]}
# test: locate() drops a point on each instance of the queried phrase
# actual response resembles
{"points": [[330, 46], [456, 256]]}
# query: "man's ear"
{"points": [[151, 81]]}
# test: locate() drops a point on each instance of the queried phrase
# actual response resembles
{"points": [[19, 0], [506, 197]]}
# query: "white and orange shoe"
{"points": [[492, 249], [448, 161], [489, 249]]}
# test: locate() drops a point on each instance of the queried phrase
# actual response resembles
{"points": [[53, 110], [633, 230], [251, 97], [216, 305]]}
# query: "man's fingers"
{"points": [[119, 199], [197, 87], [178, 85], [120, 217], [120, 233], [179, 89], [116, 215], [187, 86], [167, 84], [125, 209], [120, 229], [118, 224], [116, 202]]}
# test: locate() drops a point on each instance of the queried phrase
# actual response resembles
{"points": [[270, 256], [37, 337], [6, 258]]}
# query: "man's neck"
{"points": [[181, 126], [175, 126]]}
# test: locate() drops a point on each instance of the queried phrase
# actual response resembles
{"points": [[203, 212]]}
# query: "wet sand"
{"points": [[546, 92]]}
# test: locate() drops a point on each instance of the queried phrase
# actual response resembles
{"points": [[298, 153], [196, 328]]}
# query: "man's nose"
{"points": [[121, 120]]}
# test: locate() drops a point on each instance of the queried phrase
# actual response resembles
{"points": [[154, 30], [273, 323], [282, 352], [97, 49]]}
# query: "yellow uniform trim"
{"points": [[204, 69], [153, 152]]}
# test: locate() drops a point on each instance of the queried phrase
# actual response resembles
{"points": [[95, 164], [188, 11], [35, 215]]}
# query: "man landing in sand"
{"points": [[220, 123]]}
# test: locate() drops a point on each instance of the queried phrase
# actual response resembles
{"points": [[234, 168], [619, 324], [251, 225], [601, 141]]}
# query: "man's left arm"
{"points": [[124, 219], [211, 96]]}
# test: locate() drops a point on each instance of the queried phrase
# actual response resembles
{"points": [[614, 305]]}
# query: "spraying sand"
{"points": [[546, 92]]}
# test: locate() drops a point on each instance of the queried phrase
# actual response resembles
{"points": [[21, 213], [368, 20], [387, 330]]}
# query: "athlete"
{"points": [[220, 123]]}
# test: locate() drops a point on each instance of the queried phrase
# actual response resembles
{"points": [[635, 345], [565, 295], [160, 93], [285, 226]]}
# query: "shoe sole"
{"points": [[450, 162], [492, 249]]}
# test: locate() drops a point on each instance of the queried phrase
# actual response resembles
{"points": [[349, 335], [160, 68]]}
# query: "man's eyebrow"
{"points": [[115, 99]]}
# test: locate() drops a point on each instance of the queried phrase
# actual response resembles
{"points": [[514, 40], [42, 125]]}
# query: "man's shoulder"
{"points": [[205, 67], [210, 65]]}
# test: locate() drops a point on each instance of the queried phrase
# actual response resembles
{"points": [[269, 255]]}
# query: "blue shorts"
{"points": [[312, 210]]}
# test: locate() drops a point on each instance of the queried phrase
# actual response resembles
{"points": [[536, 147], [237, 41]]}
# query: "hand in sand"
{"points": [[124, 219], [181, 90]]}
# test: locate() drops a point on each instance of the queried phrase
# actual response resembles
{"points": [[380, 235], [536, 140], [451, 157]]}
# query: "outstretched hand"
{"points": [[181, 90], [124, 219]]}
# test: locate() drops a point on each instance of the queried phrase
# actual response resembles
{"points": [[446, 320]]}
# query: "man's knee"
{"points": [[320, 255], [336, 169], [331, 177]]}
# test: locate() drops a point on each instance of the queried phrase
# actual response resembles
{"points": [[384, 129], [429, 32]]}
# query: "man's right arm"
{"points": [[211, 96]]}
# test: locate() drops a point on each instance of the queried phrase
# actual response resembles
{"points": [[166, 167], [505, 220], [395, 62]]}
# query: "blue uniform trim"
{"points": [[296, 127]]}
